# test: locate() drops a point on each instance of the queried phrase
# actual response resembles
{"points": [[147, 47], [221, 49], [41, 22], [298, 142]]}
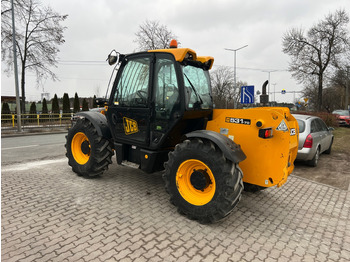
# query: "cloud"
{"points": [[94, 28]]}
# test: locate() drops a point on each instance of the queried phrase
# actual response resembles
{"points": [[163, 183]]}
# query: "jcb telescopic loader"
{"points": [[160, 114]]}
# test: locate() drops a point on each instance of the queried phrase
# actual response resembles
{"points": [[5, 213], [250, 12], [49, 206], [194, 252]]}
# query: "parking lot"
{"points": [[50, 214], [333, 170]]}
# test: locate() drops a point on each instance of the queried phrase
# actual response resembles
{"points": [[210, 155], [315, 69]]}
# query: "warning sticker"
{"points": [[292, 132], [235, 120]]}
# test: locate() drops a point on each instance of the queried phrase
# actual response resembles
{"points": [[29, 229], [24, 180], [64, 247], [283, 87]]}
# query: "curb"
{"points": [[33, 132]]}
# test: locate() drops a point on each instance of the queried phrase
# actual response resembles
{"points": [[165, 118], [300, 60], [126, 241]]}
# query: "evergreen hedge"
{"points": [[76, 107]]}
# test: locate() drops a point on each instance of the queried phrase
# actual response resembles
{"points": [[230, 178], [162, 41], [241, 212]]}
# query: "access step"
{"points": [[130, 164]]}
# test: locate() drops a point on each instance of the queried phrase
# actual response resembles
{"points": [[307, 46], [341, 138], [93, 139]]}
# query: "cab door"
{"points": [[129, 110], [166, 101]]}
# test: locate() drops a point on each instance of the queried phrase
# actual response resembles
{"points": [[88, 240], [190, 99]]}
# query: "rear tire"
{"points": [[329, 150], [201, 182], [88, 153], [314, 161]]}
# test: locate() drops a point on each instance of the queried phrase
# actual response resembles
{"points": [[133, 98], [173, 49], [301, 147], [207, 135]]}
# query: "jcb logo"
{"points": [[130, 126]]}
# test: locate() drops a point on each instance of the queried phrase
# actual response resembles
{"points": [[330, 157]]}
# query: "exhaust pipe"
{"points": [[264, 98]]}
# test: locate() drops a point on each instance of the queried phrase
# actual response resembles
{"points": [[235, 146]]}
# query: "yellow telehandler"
{"points": [[160, 115]]}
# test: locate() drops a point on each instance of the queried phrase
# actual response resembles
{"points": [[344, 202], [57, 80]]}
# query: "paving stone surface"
{"points": [[50, 214]]}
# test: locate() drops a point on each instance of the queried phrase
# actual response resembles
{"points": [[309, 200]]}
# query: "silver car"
{"points": [[315, 138]]}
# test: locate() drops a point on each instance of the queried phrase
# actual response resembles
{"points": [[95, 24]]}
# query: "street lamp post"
{"points": [[274, 92], [19, 128], [347, 87], [235, 50]]}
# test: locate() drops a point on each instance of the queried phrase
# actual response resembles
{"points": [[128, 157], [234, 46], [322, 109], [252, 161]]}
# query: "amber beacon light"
{"points": [[173, 43]]}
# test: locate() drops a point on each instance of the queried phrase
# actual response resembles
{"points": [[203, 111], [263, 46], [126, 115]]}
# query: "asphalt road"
{"points": [[31, 148]]}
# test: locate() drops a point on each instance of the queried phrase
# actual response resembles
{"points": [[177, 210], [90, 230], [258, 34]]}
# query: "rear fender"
{"points": [[230, 149], [99, 121]]}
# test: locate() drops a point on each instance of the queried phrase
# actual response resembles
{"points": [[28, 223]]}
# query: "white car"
{"points": [[315, 138]]}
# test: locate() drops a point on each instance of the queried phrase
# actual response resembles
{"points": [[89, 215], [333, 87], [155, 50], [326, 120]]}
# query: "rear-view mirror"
{"points": [[100, 101]]}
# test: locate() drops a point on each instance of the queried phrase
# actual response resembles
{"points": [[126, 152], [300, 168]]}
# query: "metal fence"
{"points": [[9, 121]]}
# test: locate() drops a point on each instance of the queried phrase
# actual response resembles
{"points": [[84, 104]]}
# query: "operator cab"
{"points": [[158, 96]]}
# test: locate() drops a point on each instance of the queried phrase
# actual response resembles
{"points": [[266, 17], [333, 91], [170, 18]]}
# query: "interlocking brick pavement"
{"points": [[50, 214]]}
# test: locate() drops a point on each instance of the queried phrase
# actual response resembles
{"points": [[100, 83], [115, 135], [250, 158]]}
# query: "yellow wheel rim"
{"points": [[195, 182], [81, 148]]}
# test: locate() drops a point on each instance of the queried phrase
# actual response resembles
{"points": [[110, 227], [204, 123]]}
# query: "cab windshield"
{"points": [[197, 87]]}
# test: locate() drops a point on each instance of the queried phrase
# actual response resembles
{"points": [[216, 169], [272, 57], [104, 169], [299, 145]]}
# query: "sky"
{"points": [[96, 27]]}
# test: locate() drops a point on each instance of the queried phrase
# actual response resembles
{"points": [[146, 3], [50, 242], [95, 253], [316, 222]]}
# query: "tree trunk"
{"points": [[320, 89], [23, 101]]}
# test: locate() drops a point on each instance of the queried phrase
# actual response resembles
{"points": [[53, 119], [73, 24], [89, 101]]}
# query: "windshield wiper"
{"points": [[194, 90]]}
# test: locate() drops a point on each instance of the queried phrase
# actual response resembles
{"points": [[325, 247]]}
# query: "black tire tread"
{"points": [[101, 151], [228, 192], [329, 150], [314, 161]]}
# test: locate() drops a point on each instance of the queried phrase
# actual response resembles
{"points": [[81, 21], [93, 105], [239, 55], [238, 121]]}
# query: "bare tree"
{"points": [[314, 53], [340, 78], [333, 98], [153, 35], [97, 90], [224, 92], [38, 35], [341, 81], [222, 81], [311, 93]]}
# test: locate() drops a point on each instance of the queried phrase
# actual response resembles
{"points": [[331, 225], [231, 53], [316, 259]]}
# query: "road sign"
{"points": [[247, 95], [283, 91]]}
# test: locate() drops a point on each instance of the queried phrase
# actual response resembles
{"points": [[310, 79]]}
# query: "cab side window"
{"points": [[166, 88], [132, 89]]}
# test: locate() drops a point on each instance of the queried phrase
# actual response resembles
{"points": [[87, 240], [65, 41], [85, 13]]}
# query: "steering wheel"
{"points": [[142, 94]]}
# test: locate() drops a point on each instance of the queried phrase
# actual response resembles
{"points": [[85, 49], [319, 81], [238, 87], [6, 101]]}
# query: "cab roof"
{"points": [[181, 54]]}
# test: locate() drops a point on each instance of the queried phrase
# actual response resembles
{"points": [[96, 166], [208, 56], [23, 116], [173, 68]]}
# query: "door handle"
{"points": [[114, 119]]}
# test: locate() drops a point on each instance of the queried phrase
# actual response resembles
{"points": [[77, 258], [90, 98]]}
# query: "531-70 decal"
{"points": [[235, 120]]}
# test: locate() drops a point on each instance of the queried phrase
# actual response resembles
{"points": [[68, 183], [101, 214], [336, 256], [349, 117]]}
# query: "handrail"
{"points": [[36, 118]]}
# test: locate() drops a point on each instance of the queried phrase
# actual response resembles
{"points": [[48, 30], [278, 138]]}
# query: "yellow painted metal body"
{"points": [[181, 53], [80, 157], [269, 161]]}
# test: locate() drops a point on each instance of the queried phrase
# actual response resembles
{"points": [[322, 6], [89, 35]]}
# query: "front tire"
{"points": [[201, 182], [88, 153]]}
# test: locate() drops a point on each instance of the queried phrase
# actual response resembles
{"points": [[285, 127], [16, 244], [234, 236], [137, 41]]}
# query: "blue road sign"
{"points": [[247, 95], [283, 91]]}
